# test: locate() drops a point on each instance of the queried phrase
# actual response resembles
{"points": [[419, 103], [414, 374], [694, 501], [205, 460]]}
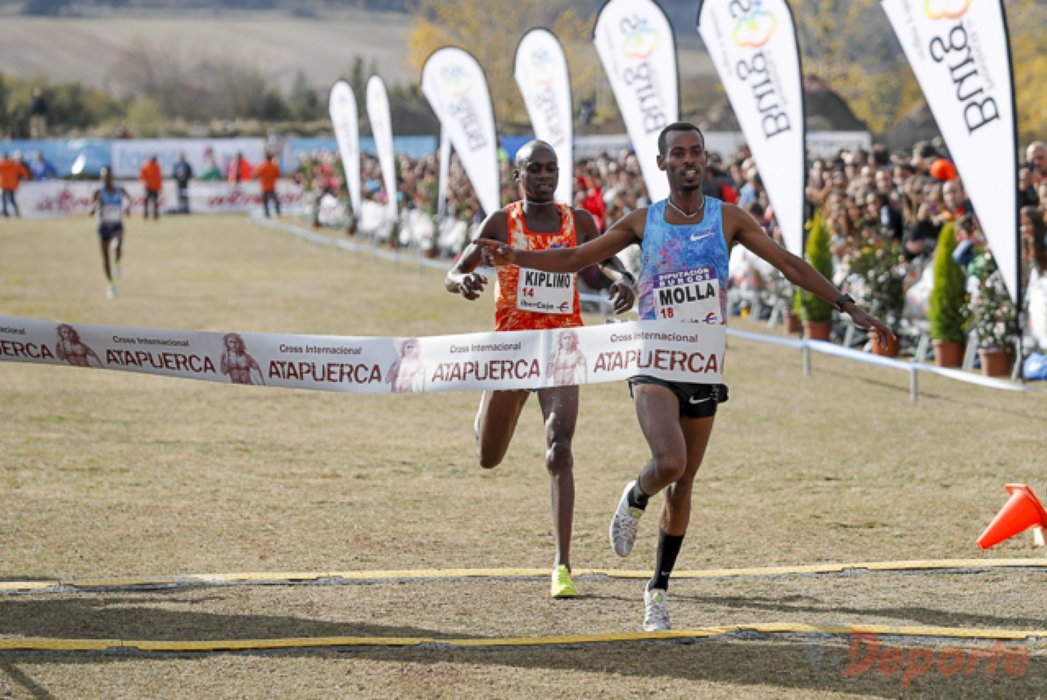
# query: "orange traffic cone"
{"points": [[1021, 511]]}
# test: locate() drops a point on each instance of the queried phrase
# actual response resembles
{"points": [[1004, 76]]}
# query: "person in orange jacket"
{"points": [[267, 173], [239, 169], [153, 181], [12, 172]]}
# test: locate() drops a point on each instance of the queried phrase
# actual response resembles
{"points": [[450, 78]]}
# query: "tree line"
{"points": [[209, 97]]}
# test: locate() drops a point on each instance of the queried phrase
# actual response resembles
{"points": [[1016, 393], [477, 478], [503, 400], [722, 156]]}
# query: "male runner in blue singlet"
{"points": [[685, 239]]}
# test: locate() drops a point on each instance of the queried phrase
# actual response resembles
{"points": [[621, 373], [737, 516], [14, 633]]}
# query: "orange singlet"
{"points": [[529, 300]]}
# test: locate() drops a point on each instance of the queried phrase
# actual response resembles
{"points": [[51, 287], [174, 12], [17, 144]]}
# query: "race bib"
{"points": [[110, 213], [545, 292], [690, 296]]}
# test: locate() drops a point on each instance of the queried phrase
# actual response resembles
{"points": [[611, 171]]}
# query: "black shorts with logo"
{"points": [[108, 231], [696, 400]]}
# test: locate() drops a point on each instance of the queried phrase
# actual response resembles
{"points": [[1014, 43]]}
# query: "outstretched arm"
{"points": [[741, 227], [463, 278], [623, 285], [624, 233]]}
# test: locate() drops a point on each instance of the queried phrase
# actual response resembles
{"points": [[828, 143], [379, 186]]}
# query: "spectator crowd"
{"points": [[892, 206]]}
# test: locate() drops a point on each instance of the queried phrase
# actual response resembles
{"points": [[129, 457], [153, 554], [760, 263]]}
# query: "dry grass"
{"points": [[109, 474], [88, 49]]}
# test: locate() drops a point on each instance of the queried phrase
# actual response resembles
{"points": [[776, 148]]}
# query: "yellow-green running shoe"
{"points": [[562, 585]]}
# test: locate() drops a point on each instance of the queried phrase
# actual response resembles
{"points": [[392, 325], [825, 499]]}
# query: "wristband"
{"points": [[843, 300]]}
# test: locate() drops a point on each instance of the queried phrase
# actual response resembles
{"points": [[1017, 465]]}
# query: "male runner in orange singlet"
{"points": [[537, 302]]}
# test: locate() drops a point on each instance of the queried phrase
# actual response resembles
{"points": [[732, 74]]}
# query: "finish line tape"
{"points": [[507, 360]]}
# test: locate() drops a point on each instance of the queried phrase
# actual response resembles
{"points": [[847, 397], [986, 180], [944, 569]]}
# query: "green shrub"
{"points": [[820, 257], [949, 295]]}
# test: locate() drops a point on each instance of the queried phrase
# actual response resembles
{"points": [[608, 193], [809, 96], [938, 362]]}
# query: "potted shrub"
{"points": [[993, 319], [818, 313], [877, 279], [792, 318], [948, 301]]}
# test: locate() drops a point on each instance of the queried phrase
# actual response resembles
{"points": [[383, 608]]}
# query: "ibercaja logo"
{"points": [[640, 38], [542, 67], [946, 9], [755, 29], [457, 82]]}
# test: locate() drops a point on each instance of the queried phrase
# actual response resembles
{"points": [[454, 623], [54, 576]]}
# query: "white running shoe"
{"points": [[624, 523], [110, 291], [655, 610]]}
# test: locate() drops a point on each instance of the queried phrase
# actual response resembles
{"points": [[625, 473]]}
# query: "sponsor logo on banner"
{"points": [[959, 53], [459, 86], [945, 9], [639, 41], [640, 360], [755, 29], [457, 82], [543, 69], [639, 38], [324, 364], [137, 351]]}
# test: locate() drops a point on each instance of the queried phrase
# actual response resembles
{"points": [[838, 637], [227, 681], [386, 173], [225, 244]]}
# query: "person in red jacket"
{"points": [[267, 173], [239, 169], [12, 172], [153, 181]]}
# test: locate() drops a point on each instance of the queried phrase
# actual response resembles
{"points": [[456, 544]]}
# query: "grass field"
{"points": [[108, 475]]}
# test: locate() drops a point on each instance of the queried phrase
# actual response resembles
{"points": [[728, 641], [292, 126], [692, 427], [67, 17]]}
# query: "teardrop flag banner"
{"points": [[456, 88], [345, 120], [756, 54], [382, 130], [961, 56], [541, 73], [636, 47]]}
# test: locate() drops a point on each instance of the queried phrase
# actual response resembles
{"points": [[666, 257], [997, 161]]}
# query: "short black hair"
{"points": [[663, 137], [523, 154]]}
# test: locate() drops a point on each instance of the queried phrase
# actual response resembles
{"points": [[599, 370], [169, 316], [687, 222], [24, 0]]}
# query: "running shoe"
{"points": [[655, 611], [624, 524], [110, 291], [562, 585]]}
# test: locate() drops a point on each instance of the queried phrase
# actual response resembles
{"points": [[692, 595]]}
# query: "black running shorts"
{"points": [[696, 400]]}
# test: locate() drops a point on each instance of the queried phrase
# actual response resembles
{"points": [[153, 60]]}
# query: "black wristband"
{"points": [[843, 300]]}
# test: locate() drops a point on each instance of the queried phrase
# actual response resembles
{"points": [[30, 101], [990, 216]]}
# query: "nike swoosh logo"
{"points": [[700, 237], [695, 403]]}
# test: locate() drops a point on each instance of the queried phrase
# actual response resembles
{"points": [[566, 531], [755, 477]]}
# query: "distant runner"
{"points": [[111, 202]]}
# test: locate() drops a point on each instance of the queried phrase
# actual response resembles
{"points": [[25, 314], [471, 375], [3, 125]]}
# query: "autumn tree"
{"points": [[490, 31], [1026, 20], [850, 44]]}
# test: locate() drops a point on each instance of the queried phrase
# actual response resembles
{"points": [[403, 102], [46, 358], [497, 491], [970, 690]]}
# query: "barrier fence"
{"points": [[913, 367]]}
